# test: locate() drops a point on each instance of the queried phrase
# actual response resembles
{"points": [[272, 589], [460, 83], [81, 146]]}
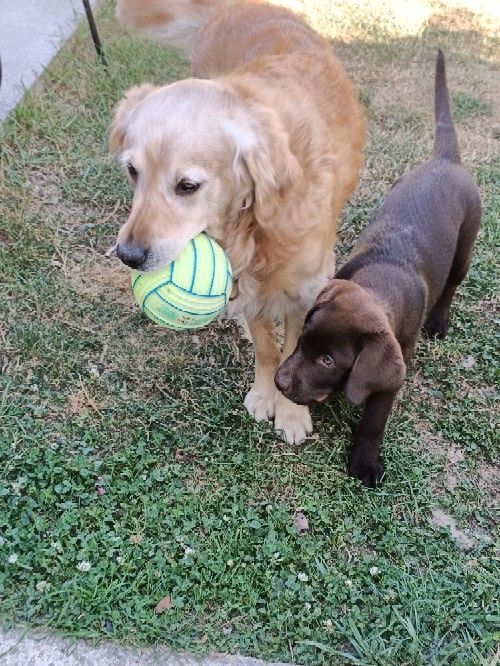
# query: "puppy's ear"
{"points": [[262, 148], [379, 367], [123, 113]]}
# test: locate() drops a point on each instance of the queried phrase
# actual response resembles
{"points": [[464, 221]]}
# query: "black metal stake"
{"points": [[94, 33]]}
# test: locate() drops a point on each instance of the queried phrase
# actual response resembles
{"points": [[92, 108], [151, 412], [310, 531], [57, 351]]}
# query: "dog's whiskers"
{"points": [[111, 251]]}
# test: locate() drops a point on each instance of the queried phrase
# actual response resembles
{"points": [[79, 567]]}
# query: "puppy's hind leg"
{"points": [[437, 321]]}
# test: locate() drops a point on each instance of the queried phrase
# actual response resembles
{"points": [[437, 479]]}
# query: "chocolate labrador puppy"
{"points": [[401, 275]]}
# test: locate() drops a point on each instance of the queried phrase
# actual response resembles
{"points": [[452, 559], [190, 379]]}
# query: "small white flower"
{"points": [[374, 571], [120, 559], [42, 585], [13, 558], [303, 577], [348, 582], [56, 545], [83, 566], [307, 606], [188, 550], [226, 519], [230, 563], [276, 556], [328, 624]]}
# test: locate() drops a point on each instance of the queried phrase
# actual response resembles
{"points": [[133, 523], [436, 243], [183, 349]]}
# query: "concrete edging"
{"points": [[41, 648]]}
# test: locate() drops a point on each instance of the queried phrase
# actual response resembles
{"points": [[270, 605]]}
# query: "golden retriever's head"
{"points": [[196, 156]]}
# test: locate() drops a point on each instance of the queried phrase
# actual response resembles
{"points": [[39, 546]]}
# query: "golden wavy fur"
{"points": [[268, 135]]}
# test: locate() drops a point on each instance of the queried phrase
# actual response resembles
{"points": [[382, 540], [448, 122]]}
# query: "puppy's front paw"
{"points": [[261, 403], [436, 325], [293, 421], [366, 469]]}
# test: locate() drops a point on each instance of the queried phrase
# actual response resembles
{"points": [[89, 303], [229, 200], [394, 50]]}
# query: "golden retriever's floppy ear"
{"points": [[123, 112], [262, 147], [379, 367]]}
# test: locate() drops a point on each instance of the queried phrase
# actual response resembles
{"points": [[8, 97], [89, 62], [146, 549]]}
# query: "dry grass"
{"points": [[368, 19]]}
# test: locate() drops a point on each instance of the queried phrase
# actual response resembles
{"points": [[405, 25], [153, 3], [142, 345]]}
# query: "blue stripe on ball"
{"points": [[195, 314], [227, 273], [152, 315], [163, 284], [194, 266], [195, 293], [213, 265]]}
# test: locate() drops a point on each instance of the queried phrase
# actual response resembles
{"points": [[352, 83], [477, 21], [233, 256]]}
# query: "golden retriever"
{"points": [[261, 148]]}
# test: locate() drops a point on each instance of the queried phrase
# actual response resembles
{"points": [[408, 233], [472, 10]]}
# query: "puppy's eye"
{"points": [[326, 360], [186, 186], [132, 171]]}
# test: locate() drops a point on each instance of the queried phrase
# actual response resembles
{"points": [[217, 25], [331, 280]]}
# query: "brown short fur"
{"points": [[400, 277]]}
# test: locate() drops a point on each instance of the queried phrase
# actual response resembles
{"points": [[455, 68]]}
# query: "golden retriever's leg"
{"points": [[261, 399], [294, 421]]}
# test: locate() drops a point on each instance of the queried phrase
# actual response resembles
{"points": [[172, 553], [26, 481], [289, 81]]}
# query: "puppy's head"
{"points": [[195, 156], [346, 342]]}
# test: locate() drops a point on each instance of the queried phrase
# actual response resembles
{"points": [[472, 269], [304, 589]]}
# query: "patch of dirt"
{"points": [[300, 522], [355, 552], [76, 402], [489, 479], [438, 446], [44, 186], [450, 454], [4, 238], [46, 197], [80, 400], [197, 481], [450, 481], [97, 277], [441, 519], [484, 392]]}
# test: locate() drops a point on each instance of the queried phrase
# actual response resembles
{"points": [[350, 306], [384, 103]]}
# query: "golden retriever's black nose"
{"points": [[132, 254]]}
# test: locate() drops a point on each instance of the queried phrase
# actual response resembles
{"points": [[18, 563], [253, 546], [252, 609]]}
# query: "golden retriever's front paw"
{"points": [[261, 404], [293, 421]]}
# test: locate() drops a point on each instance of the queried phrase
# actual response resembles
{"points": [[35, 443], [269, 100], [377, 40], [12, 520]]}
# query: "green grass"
{"points": [[198, 500], [466, 106]]}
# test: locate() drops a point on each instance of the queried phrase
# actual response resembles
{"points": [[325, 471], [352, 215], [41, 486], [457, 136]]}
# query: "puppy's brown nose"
{"points": [[132, 254]]}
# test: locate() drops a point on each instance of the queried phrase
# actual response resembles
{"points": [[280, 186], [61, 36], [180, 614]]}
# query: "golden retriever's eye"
{"points": [[326, 360], [186, 186], [132, 171]]}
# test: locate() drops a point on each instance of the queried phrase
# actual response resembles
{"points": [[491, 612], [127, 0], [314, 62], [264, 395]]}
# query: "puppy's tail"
{"points": [[177, 22], [445, 138]]}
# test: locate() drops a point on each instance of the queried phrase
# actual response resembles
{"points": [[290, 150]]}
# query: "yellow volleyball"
{"points": [[190, 291]]}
